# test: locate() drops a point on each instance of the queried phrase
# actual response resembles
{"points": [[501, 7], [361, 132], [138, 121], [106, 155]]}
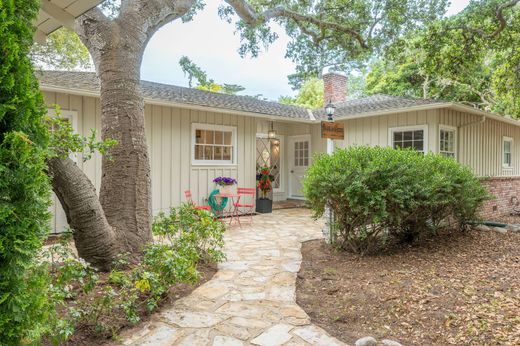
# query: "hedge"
{"points": [[382, 196]]}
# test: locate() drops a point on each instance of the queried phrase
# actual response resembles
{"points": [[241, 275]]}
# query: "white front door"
{"points": [[299, 159]]}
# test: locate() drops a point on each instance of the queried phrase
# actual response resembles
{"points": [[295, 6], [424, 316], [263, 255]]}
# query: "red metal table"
{"points": [[234, 198]]}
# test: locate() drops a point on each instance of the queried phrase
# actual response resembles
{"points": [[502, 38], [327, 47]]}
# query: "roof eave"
{"points": [[395, 110], [468, 109]]}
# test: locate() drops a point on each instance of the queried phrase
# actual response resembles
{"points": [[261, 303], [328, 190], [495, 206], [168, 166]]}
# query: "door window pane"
{"points": [[301, 153]]}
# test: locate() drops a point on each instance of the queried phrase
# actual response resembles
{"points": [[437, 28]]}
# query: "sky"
{"points": [[212, 44]]}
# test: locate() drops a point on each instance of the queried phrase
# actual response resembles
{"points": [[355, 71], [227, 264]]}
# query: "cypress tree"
{"points": [[24, 187]]}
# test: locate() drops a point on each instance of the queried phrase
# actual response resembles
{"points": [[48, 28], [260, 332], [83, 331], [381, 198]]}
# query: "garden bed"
{"points": [[458, 289], [88, 335]]}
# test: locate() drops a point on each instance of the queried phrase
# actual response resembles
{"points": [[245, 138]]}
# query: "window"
{"points": [[507, 149], [268, 154], [213, 144], [409, 137], [68, 116], [301, 153], [447, 141]]}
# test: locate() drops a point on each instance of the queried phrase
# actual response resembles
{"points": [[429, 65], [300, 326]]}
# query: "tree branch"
{"points": [[150, 15], [248, 14], [502, 23], [485, 97], [94, 30]]}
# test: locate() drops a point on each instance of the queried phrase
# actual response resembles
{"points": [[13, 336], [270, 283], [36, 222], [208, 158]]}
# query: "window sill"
{"points": [[206, 164]]}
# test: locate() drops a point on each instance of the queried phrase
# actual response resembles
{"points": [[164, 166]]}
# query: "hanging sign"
{"points": [[332, 130]]}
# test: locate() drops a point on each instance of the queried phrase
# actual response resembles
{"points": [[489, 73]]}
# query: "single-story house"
{"points": [[194, 136]]}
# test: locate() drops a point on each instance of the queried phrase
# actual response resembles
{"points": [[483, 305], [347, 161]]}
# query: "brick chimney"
{"points": [[334, 87]]}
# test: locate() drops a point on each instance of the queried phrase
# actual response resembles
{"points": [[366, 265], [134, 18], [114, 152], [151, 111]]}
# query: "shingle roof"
{"points": [[87, 81], [373, 103]]}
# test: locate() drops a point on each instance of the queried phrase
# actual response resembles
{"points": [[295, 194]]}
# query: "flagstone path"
{"points": [[251, 299]]}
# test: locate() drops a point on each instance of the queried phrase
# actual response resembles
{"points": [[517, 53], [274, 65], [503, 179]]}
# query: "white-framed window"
{"points": [[507, 152], [213, 144], [448, 141], [72, 118], [415, 137]]}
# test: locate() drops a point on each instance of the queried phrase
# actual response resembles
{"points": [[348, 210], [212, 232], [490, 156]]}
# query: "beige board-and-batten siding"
{"points": [[168, 131], [479, 143]]}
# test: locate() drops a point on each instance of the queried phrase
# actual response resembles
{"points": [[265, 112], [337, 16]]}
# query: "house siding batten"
{"points": [[479, 144], [168, 131]]}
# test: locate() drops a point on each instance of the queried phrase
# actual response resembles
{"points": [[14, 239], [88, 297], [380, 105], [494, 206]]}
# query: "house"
{"points": [[195, 136]]}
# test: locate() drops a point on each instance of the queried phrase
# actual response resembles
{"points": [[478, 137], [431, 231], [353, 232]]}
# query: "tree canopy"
{"points": [[63, 50], [203, 81], [342, 33], [472, 57]]}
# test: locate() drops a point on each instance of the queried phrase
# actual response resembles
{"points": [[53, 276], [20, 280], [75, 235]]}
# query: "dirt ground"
{"points": [[86, 335], [462, 289]]}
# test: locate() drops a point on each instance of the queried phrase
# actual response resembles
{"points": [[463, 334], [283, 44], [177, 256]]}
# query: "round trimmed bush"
{"points": [[381, 195]]}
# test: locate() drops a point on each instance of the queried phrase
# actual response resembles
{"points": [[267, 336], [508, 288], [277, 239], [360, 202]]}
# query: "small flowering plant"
{"points": [[264, 181], [223, 181]]}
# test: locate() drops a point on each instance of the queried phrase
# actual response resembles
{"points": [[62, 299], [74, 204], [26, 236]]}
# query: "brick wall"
{"points": [[504, 189], [334, 87]]}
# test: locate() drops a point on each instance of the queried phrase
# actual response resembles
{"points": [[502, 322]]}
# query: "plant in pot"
{"points": [[264, 183], [225, 184]]}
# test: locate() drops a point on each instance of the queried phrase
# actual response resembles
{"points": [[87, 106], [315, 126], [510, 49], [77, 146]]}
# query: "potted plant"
{"points": [[225, 184], [264, 182]]}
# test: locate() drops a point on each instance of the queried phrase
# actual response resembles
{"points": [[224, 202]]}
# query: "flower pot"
{"points": [[264, 205], [226, 189]]}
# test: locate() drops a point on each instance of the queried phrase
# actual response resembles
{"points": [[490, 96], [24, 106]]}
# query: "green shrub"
{"points": [[381, 195], [187, 237], [24, 189]]}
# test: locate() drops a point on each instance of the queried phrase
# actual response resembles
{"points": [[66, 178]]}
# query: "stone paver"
{"points": [[251, 299]]}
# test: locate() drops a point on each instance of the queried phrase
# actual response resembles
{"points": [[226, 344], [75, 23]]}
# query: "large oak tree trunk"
{"points": [[95, 240], [125, 182]]}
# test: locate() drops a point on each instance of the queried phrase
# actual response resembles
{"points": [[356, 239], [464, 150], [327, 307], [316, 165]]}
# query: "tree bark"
{"points": [[125, 192], [94, 238]]}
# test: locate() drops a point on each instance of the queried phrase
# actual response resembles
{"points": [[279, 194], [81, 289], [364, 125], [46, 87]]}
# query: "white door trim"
{"points": [[291, 161]]}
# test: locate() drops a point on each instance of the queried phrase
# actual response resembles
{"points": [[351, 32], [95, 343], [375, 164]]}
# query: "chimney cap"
{"points": [[330, 70]]}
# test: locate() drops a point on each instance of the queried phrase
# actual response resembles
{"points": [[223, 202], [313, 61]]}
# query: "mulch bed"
{"points": [[85, 335], [459, 289]]}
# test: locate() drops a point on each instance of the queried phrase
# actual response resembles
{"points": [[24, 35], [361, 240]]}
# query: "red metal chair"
{"points": [[189, 198], [245, 208]]}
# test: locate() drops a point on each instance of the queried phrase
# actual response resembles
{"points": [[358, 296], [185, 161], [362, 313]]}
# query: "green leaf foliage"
{"points": [[310, 95], [203, 81], [62, 50], [65, 142], [24, 187], [381, 196], [185, 238], [467, 58], [333, 32]]}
